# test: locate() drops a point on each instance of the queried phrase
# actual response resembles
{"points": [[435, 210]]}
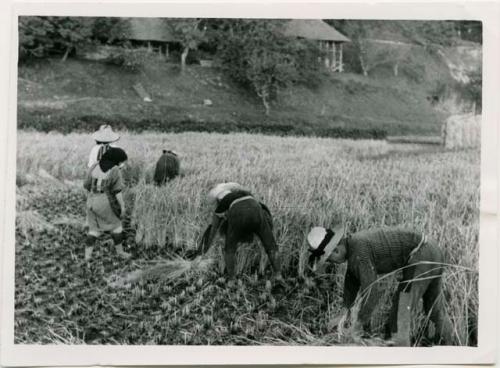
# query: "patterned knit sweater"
{"points": [[373, 252]]}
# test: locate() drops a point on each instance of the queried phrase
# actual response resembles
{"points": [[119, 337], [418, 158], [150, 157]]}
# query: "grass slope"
{"points": [[53, 93]]}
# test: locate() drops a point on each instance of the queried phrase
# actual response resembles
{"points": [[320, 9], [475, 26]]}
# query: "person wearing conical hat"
{"points": [[104, 138], [105, 205], [167, 167], [239, 216], [371, 253]]}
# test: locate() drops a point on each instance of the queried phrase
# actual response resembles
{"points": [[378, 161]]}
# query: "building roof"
{"points": [[313, 29], [146, 29]]}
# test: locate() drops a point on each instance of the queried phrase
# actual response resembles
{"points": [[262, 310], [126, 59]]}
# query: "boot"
{"points": [[402, 337], [121, 252]]}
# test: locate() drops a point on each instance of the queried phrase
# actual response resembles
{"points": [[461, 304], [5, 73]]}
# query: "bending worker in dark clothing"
{"points": [[239, 216], [167, 167], [381, 251]]}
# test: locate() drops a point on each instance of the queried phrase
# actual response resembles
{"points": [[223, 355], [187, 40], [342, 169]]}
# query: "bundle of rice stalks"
{"points": [[462, 131], [165, 271], [48, 178], [31, 221], [70, 220], [22, 201]]}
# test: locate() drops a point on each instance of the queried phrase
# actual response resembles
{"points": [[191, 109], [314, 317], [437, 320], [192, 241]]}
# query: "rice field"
{"points": [[304, 181]]}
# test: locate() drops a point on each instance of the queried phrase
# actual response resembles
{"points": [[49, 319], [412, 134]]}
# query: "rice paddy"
{"points": [[304, 181]]}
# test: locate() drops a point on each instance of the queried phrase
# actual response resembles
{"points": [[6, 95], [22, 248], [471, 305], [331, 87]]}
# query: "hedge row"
{"points": [[90, 123]]}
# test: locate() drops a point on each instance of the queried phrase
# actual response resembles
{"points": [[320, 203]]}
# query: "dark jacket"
{"points": [[370, 253], [166, 168], [246, 219]]}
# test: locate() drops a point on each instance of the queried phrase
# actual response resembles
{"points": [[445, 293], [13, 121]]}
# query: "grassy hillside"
{"points": [[79, 95]]}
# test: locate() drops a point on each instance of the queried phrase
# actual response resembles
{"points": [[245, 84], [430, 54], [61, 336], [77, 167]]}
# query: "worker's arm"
{"points": [[209, 235], [119, 199], [351, 288], [92, 156], [367, 276]]}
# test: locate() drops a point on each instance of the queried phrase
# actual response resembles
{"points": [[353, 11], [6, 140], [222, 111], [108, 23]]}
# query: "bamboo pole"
{"points": [[334, 56], [327, 62], [341, 64]]}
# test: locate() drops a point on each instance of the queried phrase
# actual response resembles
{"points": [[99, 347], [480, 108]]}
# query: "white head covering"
{"points": [[318, 234], [222, 189], [105, 134]]}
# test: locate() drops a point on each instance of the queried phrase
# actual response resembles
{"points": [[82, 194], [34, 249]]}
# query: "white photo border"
{"points": [[53, 355]]}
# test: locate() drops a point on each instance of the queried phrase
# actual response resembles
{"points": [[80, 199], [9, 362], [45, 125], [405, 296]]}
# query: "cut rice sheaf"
{"points": [[27, 221], [165, 271]]}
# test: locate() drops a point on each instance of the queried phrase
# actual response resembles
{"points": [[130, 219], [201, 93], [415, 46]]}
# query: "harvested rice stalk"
{"points": [[166, 271], [27, 221], [70, 220]]}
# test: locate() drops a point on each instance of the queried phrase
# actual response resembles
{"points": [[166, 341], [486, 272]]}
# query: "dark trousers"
{"points": [[422, 280], [244, 219]]}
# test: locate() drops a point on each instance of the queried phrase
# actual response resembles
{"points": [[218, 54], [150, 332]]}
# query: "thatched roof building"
{"points": [[329, 39], [313, 29], [146, 29]]}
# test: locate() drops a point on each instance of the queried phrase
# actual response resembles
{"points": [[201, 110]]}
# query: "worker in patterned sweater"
{"points": [[239, 216], [371, 253]]}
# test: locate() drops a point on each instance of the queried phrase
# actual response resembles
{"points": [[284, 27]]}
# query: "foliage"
{"points": [[473, 89], [443, 33], [188, 32], [468, 92], [107, 29], [256, 54], [87, 123], [43, 36], [471, 30], [129, 58]]}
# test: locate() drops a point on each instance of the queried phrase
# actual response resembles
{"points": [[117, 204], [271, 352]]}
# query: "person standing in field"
{"points": [[239, 216], [104, 139], [167, 167], [105, 205], [370, 253]]}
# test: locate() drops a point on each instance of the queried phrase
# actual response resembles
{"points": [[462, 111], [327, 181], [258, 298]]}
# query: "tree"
{"points": [[429, 34], [358, 32], [472, 89], [189, 34], [107, 29], [377, 53], [41, 36], [257, 55]]}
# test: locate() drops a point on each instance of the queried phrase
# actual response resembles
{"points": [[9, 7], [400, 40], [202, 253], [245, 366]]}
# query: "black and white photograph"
{"points": [[234, 181]]}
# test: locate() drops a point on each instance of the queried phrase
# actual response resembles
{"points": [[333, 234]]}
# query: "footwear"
{"points": [[121, 252]]}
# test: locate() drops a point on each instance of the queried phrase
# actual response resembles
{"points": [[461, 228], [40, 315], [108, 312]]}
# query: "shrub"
{"points": [[130, 59], [47, 123], [42, 36]]}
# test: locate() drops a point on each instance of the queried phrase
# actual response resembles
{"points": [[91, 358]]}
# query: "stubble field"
{"points": [[304, 181]]}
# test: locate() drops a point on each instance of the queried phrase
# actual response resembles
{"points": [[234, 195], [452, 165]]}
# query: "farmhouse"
{"points": [[329, 39], [155, 33]]}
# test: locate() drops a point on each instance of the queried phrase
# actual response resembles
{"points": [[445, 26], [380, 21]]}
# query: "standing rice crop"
{"points": [[305, 182]]}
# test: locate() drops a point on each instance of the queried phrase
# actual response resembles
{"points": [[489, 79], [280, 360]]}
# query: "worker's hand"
{"points": [[339, 319], [335, 321], [191, 253], [360, 329], [231, 283], [357, 329]]}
